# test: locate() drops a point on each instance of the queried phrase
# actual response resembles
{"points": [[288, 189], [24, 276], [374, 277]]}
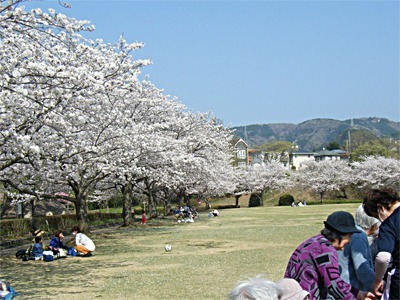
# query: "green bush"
{"points": [[22, 227], [15, 227], [255, 200], [286, 200]]}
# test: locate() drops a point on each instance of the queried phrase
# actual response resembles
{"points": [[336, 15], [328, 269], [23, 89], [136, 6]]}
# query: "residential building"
{"points": [[241, 154], [297, 159], [255, 156], [331, 155]]}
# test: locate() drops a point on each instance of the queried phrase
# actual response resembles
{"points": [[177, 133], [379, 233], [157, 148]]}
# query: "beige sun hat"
{"points": [[37, 232], [291, 289]]}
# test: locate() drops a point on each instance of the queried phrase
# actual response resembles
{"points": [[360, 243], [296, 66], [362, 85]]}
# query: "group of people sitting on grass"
{"points": [[349, 259], [300, 204], [84, 246], [184, 214], [213, 213]]}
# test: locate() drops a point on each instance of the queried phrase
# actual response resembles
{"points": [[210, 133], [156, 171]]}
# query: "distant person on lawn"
{"points": [[84, 245], [314, 264], [143, 220]]}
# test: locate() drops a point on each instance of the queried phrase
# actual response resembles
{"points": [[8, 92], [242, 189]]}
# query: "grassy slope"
{"points": [[208, 257]]}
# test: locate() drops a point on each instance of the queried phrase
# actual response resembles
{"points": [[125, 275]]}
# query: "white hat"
{"points": [[291, 289]]}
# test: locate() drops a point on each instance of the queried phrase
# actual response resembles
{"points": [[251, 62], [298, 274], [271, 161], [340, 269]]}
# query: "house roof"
{"points": [[303, 153], [234, 142], [339, 151], [327, 153]]}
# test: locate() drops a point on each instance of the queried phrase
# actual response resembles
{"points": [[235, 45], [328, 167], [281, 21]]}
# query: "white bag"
{"points": [[62, 253]]}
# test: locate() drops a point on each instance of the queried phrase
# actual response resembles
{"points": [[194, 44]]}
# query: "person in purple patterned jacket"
{"points": [[314, 264]]}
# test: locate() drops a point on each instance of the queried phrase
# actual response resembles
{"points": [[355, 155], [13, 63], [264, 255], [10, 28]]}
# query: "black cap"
{"points": [[342, 222]]}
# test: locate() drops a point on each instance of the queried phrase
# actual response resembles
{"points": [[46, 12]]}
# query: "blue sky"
{"points": [[259, 62]]}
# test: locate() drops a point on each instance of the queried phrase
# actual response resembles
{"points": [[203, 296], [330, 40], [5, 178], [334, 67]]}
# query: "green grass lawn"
{"points": [[208, 257]]}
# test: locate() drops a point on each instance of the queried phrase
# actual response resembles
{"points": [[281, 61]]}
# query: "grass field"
{"points": [[208, 257]]}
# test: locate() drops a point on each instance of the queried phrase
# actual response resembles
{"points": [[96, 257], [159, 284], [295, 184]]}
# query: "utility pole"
{"points": [[349, 143]]}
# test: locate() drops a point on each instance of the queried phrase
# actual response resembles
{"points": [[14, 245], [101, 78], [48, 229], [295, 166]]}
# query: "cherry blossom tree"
{"points": [[377, 171], [57, 93], [261, 178], [31, 86], [197, 160], [77, 119], [324, 176]]}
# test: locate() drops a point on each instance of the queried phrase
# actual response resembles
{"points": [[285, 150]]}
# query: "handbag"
{"points": [[48, 256], [72, 251], [62, 253]]}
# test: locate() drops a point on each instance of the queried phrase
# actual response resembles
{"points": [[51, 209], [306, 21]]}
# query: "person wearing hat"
{"points": [[36, 248], [314, 264], [38, 232], [292, 290], [384, 204]]}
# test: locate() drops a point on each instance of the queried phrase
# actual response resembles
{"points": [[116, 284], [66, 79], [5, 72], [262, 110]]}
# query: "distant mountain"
{"points": [[317, 133]]}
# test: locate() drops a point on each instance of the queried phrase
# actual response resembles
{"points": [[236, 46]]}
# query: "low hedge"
{"points": [[13, 228], [337, 201], [224, 206]]}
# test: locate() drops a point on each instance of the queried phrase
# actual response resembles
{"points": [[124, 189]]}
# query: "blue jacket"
{"points": [[356, 262], [37, 250], [56, 243]]}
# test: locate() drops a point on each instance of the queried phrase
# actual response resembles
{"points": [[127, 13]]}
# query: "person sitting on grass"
{"points": [[37, 250], [56, 243], [84, 245], [314, 264], [176, 214]]}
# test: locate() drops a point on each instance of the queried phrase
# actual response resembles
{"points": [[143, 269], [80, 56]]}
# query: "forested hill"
{"points": [[314, 134]]}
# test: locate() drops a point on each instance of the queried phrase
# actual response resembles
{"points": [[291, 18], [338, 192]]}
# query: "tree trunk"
{"points": [[321, 195], [237, 200], [207, 204], [33, 217], [81, 213], [187, 200], [344, 193], [165, 204], [127, 204], [5, 205], [152, 206], [262, 198]]}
